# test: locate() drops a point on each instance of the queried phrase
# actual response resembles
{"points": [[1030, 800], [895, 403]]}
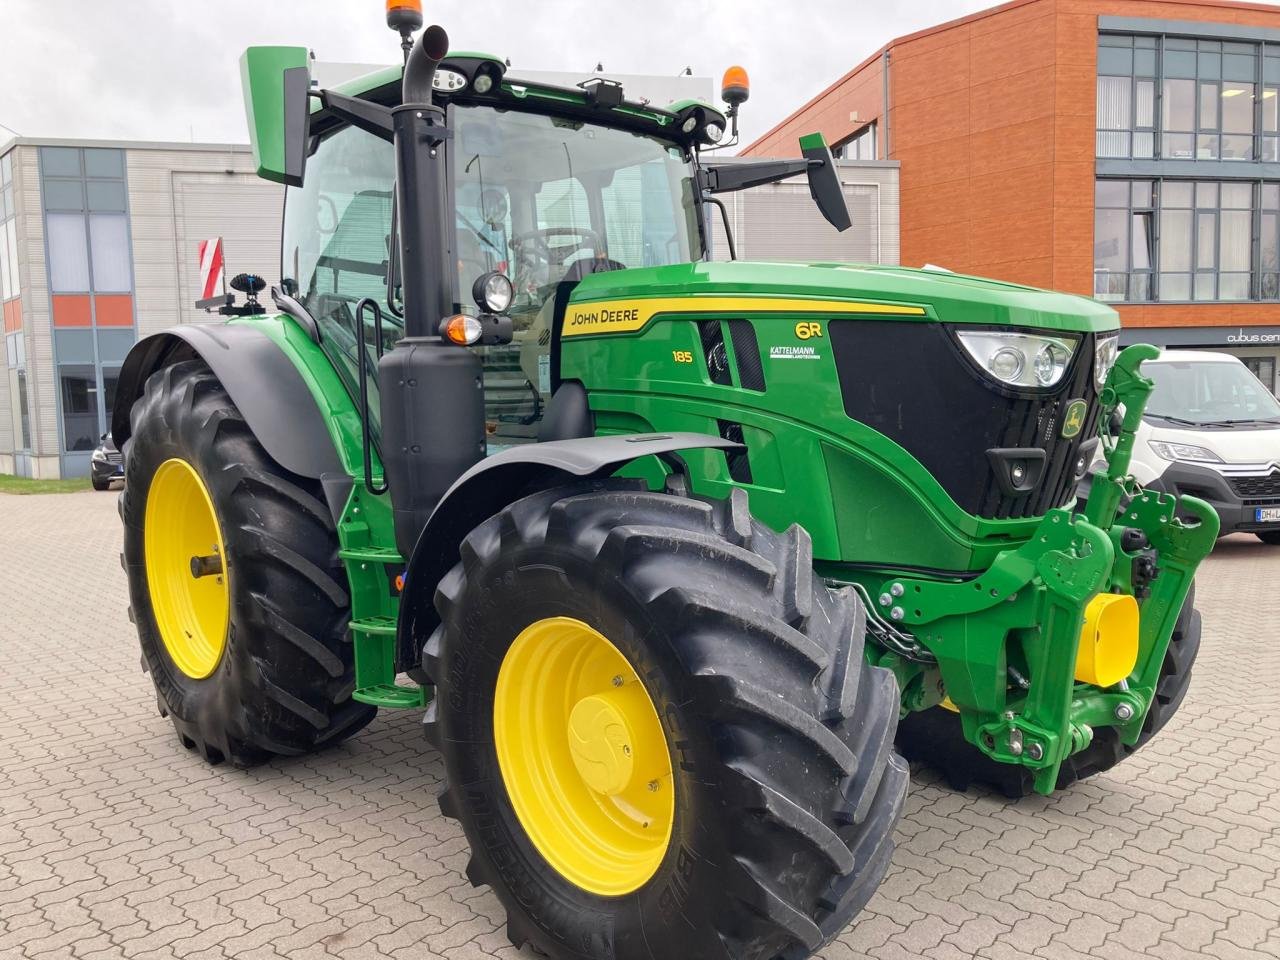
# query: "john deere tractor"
{"points": [[663, 548]]}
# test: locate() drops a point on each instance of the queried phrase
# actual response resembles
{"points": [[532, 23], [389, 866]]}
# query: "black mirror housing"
{"points": [[824, 181]]}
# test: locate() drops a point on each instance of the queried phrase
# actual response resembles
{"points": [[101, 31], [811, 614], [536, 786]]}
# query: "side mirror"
{"points": [[277, 87], [824, 182]]}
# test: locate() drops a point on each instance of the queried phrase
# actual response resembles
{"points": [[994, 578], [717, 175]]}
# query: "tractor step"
{"points": [[375, 639], [375, 626], [370, 555], [392, 695]]}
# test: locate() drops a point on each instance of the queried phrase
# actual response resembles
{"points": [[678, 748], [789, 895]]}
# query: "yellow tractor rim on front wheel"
{"points": [[583, 756], [186, 574]]}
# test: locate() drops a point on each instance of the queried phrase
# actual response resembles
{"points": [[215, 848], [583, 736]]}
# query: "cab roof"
{"points": [[384, 85]]}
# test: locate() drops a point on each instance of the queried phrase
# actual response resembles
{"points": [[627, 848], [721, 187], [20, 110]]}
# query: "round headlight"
{"points": [[1007, 363], [483, 83], [714, 132], [1050, 364], [492, 291], [1105, 354], [689, 123]]}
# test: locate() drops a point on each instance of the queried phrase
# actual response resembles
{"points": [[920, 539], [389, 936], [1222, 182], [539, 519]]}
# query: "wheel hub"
{"points": [[600, 741]]}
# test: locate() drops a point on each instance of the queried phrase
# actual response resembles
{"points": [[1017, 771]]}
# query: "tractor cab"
{"points": [[543, 186]]}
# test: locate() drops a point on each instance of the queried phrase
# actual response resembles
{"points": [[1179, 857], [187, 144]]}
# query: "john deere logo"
{"points": [[1073, 421]]}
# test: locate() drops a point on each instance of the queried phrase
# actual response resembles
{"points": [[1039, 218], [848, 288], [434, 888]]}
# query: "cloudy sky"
{"points": [[166, 69]]}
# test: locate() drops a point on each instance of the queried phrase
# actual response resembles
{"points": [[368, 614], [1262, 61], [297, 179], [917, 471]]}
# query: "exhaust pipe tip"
{"points": [[429, 49]]}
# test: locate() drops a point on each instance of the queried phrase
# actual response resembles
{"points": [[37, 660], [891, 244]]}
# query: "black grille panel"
{"points": [[746, 351], [1257, 488], [115, 456], [910, 382], [714, 353]]}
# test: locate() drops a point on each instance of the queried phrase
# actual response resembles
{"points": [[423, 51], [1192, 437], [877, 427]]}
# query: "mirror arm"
{"points": [[369, 117], [729, 177]]}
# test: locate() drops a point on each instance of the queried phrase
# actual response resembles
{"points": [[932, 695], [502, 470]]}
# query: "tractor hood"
{"points": [[948, 297]]}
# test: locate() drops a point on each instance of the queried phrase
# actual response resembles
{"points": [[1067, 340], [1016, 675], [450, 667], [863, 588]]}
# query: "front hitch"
{"points": [[1006, 643]]}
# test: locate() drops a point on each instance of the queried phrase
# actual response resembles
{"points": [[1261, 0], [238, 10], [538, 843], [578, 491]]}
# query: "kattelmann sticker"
{"points": [[794, 353]]}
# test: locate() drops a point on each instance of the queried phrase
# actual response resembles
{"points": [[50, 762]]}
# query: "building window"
{"points": [[860, 146], [1122, 242], [1186, 240], [23, 410], [68, 253], [9, 286], [79, 407], [1216, 99]]}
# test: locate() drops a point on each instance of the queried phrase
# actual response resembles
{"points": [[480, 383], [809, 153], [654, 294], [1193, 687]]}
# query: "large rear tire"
{"points": [[934, 737], [783, 785], [249, 659]]}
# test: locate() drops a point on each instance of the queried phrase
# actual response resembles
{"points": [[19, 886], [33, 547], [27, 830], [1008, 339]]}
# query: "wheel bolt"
{"points": [[653, 786], [617, 681]]}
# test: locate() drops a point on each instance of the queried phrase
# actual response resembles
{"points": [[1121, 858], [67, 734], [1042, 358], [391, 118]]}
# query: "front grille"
{"points": [[1257, 488], [910, 382], [115, 456]]}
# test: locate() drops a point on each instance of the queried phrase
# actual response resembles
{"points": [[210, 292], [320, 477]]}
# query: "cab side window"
{"points": [[337, 229]]}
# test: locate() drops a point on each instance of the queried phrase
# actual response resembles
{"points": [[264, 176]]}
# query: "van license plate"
{"points": [[1268, 514]]}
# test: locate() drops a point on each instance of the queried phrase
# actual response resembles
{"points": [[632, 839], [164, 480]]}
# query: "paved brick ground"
{"points": [[115, 842]]}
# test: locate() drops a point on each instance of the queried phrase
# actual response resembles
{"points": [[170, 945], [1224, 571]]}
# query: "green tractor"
{"points": [[664, 548]]}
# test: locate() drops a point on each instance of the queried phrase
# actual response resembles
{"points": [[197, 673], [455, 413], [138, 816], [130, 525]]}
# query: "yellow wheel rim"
{"points": [[583, 756], [186, 577]]}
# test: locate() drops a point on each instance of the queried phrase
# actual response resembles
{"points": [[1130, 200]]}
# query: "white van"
{"points": [[1212, 430]]}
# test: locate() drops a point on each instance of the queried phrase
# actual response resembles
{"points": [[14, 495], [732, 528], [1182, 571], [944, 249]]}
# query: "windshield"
{"points": [[1209, 393], [546, 200]]}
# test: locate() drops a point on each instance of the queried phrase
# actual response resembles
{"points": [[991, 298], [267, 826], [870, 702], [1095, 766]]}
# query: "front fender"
{"points": [[502, 479], [261, 379]]}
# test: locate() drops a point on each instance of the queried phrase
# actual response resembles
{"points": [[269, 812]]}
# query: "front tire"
{"points": [[934, 737], [784, 786], [249, 660]]}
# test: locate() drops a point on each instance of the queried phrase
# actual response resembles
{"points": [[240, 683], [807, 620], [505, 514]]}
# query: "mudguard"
{"points": [[261, 379], [499, 480]]}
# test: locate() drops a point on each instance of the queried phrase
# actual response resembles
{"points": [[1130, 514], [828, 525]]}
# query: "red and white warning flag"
{"points": [[210, 268]]}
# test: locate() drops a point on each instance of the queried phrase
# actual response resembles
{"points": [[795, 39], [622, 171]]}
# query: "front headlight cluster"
{"points": [[1020, 359], [1183, 451], [99, 455], [1104, 357]]}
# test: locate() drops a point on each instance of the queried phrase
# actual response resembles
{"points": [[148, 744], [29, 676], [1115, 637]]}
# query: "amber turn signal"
{"points": [[461, 329]]}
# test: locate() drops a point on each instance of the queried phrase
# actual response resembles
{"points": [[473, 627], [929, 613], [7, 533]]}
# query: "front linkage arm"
{"points": [[1036, 596]]}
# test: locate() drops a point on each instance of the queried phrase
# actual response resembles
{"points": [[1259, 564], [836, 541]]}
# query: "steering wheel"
{"points": [[557, 255]]}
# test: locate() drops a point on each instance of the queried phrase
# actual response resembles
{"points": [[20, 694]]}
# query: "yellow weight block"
{"points": [[1109, 640]]}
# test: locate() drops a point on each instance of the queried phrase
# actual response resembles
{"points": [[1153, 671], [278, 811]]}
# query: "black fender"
{"points": [[497, 481], [261, 380]]}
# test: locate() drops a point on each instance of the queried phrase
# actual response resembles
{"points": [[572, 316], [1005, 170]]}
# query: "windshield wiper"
{"points": [[1231, 423], [1185, 423]]}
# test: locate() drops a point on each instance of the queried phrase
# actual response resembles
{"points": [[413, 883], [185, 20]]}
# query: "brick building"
{"points": [[1120, 149]]}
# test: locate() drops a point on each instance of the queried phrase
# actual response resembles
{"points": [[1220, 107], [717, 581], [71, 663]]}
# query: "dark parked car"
{"points": [[105, 464]]}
